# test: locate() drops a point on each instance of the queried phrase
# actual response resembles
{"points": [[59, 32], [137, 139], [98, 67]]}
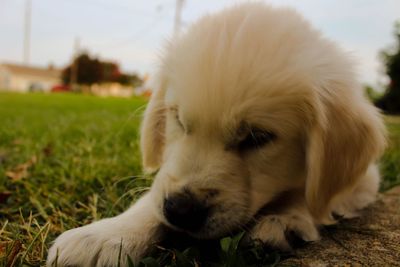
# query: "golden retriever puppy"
{"points": [[257, 120]]}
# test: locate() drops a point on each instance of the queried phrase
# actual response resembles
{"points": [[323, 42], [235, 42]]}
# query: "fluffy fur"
{"points": [[250, 66]]}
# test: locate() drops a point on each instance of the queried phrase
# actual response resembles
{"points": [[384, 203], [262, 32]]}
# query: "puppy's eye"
{"points": [[179, 122], [256, 138], [175, 114]]}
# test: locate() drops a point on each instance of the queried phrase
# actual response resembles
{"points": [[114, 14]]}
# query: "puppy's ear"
{"points": [[153, 130], [348, 135]]}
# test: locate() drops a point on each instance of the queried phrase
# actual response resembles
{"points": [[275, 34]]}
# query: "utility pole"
{"points": [[74, 65], [27, 31], [178, 21]]}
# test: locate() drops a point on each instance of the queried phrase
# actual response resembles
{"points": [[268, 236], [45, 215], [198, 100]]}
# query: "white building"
{"points": [[22, 78]]}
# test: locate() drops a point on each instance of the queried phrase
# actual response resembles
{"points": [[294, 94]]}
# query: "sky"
{"points": [[133, 32]]}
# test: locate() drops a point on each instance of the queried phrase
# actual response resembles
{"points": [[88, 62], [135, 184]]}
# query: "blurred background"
{"points": [[126, 37]]}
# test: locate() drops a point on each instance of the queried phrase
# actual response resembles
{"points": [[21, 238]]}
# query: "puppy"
{"points": [[257, 120]]}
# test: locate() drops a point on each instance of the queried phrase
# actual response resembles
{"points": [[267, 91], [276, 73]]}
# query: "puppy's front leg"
{"points": [[131, 233]]}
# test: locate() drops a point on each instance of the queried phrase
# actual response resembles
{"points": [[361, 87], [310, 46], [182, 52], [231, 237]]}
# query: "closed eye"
{"points": [[175, 113], [256, 138], [179, 121]]}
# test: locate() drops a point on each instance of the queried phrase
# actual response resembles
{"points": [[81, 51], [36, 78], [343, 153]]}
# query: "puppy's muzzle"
{"points": [[185, 211]]}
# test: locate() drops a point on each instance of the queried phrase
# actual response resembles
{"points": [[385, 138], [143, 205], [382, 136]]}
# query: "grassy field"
{"points": [[390, 163], [66, 160]]}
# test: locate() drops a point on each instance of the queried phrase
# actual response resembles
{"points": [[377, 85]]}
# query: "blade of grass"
{"points": [[32, 242]]}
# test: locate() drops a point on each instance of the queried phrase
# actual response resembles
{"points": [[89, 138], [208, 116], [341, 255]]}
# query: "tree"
{"points": [[91, 70], [390, 102], [130, 79], [111, 72]]}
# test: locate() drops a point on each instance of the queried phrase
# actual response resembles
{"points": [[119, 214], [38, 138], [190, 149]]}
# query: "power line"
{"points": [[134, 37], [162, 5], [107, 6]]}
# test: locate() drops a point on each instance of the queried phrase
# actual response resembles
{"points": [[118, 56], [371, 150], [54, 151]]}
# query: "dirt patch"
{"points": [[371, 240]]}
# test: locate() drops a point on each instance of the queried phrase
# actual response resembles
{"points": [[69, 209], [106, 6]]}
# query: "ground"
{"points": [[67, 160], [370, 240]]}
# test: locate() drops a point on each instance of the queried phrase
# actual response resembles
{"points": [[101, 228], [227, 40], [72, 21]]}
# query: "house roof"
{"points": [[33, 71]]}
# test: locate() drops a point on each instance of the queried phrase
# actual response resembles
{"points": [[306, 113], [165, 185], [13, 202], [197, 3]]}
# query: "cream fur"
{"points": [[265, 67]]}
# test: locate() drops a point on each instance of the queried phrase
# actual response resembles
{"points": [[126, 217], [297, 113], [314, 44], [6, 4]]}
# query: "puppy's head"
{"points": [[253, 102]]}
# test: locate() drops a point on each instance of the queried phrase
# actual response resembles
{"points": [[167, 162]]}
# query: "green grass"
{"points": [[390, 162], [66, 160]]}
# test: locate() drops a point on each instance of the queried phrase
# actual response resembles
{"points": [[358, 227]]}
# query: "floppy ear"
{"points": [[153, 130], [348, 135]]}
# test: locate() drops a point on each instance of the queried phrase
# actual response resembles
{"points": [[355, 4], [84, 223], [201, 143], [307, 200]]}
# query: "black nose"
{"points": [[185, 211]]}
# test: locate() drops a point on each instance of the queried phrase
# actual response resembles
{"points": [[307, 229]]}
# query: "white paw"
{"points": [[96, 245], [276, 230]]}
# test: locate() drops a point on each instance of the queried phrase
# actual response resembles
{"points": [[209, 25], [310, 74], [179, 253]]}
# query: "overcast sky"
{"points": [[132, 32]]}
